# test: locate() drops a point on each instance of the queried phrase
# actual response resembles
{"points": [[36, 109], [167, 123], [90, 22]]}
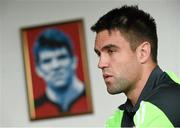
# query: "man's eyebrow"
{"points": [[109, 46]]}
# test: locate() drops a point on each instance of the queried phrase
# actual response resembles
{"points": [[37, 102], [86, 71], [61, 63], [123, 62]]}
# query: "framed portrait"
{"points": [[56, 69]]}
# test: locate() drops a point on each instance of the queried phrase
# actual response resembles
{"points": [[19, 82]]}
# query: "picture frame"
{"points": [[37, 87]]}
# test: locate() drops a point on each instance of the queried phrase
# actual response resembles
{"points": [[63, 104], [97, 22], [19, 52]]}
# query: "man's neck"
{"points": [[69, 95], [134, 94]]}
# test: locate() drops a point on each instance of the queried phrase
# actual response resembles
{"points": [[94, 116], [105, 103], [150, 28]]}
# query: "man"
{"points": [[56, 64], [126, 43]]}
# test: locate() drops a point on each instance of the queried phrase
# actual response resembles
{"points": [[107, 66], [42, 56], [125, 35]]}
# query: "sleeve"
{"points": [[148, 115]]}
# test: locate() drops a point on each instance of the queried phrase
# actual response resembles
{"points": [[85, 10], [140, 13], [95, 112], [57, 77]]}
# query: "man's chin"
{"points": [[113, 91], [59, 84]]}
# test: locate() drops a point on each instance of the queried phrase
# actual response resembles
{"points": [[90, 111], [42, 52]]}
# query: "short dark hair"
{"points": [[52, 39], [135, 25]]}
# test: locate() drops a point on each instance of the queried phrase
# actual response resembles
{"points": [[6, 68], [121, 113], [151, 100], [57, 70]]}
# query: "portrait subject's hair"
{"points": [[135, 25], [51, 39]]}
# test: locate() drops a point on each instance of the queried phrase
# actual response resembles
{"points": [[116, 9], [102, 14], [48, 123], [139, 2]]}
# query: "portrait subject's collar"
{"points": [[64, 100]]}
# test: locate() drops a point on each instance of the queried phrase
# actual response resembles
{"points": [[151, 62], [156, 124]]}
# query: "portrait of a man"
{"points": [[55, 63]]}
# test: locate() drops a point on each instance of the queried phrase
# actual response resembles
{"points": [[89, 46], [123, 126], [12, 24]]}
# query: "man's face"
{"points": [[117, 61], [56, 66]]}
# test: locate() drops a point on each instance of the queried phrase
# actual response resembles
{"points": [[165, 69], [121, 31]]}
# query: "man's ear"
{"points": [[74, 62], [144, 52]]}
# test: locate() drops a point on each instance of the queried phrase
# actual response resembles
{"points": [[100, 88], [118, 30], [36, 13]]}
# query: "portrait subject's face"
{"points": [[56, 67], [117, 61]]}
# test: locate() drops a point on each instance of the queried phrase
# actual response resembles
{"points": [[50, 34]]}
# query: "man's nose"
{"points": [[103, 62], [55, 64]]}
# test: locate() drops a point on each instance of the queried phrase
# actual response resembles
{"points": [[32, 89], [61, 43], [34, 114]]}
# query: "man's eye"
{"points": [[62, 57], [110, 51], [98, 53], [45, 61]]}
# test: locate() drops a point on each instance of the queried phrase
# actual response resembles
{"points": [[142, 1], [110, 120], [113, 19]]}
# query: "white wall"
{"points": [[16, 14], [0, 65]]}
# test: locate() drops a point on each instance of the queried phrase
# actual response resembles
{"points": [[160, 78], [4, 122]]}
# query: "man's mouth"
{"points": [[106, 76]]}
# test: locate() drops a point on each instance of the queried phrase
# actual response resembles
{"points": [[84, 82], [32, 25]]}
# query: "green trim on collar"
{"points": [[173, 76]]}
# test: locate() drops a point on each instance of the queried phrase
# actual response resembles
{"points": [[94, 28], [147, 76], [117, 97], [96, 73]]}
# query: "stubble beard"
{"points": [[120, 85]]}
